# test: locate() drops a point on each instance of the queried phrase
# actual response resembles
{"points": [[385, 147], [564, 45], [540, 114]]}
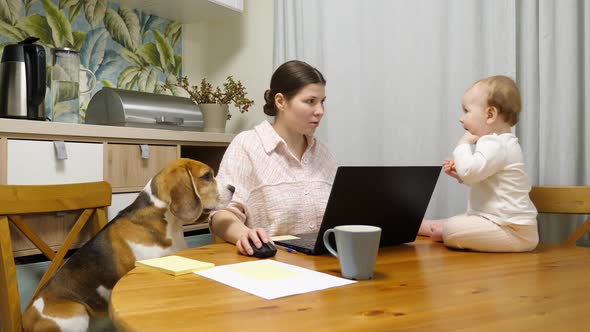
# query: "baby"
{"points": [[500, 216]]}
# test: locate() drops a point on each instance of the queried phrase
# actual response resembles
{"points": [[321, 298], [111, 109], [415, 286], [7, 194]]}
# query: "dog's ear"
{"points": [[185, 203]]}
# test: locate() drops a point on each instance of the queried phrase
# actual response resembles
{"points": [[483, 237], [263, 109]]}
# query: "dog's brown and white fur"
{"points": [[77, 297]]}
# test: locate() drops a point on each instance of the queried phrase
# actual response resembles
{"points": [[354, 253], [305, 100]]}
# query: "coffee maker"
{"points": [[23, 81]]}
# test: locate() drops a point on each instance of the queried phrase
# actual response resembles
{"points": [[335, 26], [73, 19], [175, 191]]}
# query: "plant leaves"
{"points": [[178, 59], [130, 85], [119, 29], [67, 3], [127, 76], [36, 25], [79, 37], [107, 84], [93, 49], [60, 27], [172, 28], [10, 10], [28, 5], [147, 79], [164, 49], [95, 11], [111, 64], [132, 23], [11, 31], [175, 37], [150, 22], [150, 54], [132, 57], [74, 11]]}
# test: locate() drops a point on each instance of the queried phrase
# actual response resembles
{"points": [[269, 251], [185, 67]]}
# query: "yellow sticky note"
{"points": [[283, 237], [175, 265]]}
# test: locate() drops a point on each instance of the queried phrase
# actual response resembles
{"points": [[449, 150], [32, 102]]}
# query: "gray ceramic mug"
{"points": [[358, 246]]}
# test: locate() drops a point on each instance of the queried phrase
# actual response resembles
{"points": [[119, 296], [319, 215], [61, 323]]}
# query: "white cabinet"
{"points": [[237, 5], [36, 162], [187, 11]]}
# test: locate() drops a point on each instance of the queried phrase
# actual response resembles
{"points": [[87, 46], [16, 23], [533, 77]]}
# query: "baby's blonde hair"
{"points": [[503, 94]]}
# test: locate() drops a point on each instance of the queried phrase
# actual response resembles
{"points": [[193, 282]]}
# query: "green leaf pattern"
{"points": [[36, 25], [149, 52], [75, 10], [10, 10], [95, 11], [60, 26], [141, 64], [11, 31], [67, 3], [28, 5], [165, 50], [123, 27]]}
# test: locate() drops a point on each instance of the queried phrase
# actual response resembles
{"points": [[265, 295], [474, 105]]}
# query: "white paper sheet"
{"points": [[270, 279]]}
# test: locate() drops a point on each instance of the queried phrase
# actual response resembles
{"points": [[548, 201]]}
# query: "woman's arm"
{"points": [[229, 227]]}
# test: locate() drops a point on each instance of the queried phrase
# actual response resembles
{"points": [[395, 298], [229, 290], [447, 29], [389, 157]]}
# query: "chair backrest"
{"points": [[15, 200], [564, 200]]}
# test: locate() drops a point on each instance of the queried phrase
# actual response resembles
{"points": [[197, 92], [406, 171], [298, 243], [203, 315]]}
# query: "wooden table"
{"points": [[421, 286]]}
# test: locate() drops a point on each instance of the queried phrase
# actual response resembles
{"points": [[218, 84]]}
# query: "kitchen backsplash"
{"points": [[125, 48]]}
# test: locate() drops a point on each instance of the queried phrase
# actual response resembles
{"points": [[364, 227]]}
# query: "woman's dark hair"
{"points": [[289, 79]]}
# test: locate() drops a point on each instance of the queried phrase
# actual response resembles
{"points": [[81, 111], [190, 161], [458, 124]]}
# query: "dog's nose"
{"points": [[231, 188]]}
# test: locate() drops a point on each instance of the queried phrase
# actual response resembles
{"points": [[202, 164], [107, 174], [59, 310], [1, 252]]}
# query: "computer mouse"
{"points": [[267, 250]]}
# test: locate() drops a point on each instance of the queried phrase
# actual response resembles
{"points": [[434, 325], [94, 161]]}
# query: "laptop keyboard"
{"points": [[306, 240]]}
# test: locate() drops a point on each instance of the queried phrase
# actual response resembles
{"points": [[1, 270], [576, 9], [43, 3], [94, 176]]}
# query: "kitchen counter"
{"points": [[28, 129]]}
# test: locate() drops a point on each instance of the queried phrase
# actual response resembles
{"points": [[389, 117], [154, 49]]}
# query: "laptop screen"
{"points": [[394, 198]]}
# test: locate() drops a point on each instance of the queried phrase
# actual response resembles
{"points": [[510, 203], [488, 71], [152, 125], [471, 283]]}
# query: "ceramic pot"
{"points": [[214, 117]]}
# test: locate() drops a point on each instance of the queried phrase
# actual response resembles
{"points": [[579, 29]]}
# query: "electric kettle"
{"points": [[23, 81]]}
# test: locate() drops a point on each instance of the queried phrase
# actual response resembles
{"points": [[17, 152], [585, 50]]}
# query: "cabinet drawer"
{"points": [[35, 162], [126, 171]]}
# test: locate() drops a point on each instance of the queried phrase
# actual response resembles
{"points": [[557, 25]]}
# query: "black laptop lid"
{"points": [[394, 198]]}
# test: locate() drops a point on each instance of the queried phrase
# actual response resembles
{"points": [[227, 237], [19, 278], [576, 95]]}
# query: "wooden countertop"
{"points": [[28, 129]]}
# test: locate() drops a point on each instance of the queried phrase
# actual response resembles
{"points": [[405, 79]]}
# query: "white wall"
{"points": [[241, 46]]}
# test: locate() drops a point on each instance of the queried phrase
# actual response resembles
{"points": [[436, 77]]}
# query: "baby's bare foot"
{"points": [[436, 232], [425, 227]]}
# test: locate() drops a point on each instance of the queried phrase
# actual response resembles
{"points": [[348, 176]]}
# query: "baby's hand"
{"points": [[449, 168], [468, 138], [448, 165]]}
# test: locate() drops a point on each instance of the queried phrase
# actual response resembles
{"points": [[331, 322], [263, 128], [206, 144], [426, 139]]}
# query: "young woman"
{"points": [[282, 175]]}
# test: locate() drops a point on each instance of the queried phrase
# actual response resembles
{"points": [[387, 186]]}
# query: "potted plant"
{"points": [[213, 103]]}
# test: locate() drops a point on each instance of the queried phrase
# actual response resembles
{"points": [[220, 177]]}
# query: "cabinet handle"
{"points": [[145, 151], [60, 150]]}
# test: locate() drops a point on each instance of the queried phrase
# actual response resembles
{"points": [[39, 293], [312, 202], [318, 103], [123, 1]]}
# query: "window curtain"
{"points": [[397, 70], [553, 72]]}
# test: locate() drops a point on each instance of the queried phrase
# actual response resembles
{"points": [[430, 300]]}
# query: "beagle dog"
{"points": [[77, 297]]}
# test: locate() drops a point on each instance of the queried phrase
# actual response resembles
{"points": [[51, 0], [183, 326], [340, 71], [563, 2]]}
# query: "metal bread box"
{"points": [[117, 107]]}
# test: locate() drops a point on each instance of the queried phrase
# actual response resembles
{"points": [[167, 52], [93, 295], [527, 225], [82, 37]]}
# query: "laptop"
{"points": [[394, 198]]}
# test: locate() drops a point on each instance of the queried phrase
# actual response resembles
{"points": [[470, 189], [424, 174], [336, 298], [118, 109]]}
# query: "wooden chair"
{"points": [[564, 200], [15, 200]]}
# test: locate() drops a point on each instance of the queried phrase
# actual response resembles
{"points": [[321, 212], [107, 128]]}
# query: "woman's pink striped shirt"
{"points": [[275, 190]]}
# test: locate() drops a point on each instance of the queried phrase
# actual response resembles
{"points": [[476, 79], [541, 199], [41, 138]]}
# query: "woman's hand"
{"points": [[449, 168], [258, 236]]}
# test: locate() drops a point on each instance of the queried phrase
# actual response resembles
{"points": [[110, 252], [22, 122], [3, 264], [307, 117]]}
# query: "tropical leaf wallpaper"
{"points": [[123, 47]]}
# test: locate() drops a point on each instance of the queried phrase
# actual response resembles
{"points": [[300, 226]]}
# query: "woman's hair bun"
{"points": [[269, 106]]}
